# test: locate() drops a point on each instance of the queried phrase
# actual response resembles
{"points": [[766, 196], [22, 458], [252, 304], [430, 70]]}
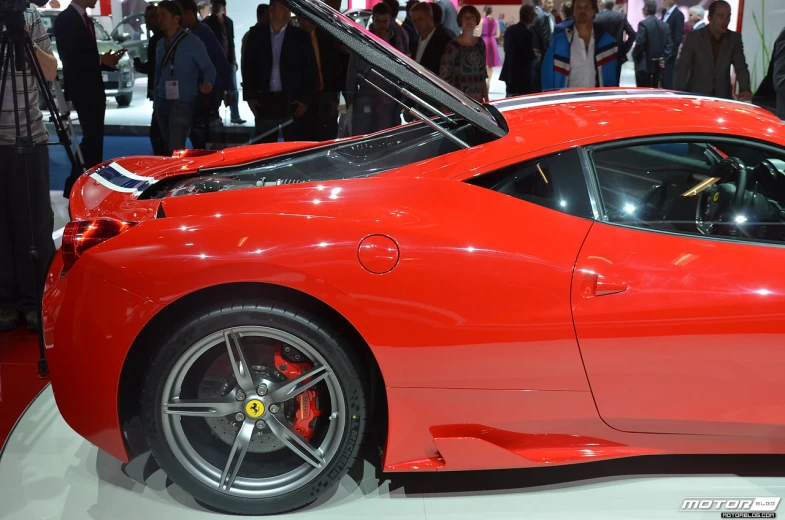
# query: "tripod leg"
{"points": [[62, 133], [25, 148]]}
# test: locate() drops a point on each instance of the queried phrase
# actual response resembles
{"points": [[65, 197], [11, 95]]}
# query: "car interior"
{"points": [[719, 188]]}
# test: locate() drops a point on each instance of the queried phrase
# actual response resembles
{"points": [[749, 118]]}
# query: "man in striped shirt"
{"points": [[18, 172]]}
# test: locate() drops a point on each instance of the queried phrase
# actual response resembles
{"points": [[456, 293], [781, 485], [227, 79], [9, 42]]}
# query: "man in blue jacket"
{"points": [[183, 70], [206, 122], [581, 54]]}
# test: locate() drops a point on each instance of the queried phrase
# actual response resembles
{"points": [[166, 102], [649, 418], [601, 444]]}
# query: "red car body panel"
{"points": [[87, 371], [700, 318], [481, 309]]}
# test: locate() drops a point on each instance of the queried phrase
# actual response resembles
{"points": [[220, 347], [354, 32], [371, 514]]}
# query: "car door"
{"points": [[681, 321]]}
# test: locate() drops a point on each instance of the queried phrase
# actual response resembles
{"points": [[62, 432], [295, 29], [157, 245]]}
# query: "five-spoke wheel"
{"points": [[255, 412]]}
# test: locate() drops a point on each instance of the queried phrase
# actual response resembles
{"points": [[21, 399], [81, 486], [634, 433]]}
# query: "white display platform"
{"points": [[49, 472]]}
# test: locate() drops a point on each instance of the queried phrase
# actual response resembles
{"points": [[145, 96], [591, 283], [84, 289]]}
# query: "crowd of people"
{"points": [[588, 48], [294, 75]]}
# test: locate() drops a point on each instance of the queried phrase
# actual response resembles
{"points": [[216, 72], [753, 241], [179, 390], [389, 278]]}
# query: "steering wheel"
{"points": [[728, 193]]}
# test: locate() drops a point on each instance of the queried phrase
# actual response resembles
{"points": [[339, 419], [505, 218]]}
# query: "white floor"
{"points": [[140, 110], [48, 472]]}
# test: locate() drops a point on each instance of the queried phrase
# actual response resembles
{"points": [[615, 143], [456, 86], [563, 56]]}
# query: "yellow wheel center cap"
{"points": [[254, 408]]}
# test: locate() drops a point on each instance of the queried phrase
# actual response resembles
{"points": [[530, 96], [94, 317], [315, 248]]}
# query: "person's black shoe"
{"points": [[238, 121], [9, 319], [31, 318]]}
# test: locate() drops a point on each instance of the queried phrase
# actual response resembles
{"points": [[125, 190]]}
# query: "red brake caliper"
{"points": [[306, 401]]}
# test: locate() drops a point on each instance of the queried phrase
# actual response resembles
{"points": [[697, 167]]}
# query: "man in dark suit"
{"points": [[519, 56], [672, 16], [223, 27], [84, 84], [615, 23], [653, 47], [543, 32], [280, 74], [333, 64], [433, 40], [707, 55]]}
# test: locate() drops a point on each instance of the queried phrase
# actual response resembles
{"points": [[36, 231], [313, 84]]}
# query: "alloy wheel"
{"points": [[251, 412]]}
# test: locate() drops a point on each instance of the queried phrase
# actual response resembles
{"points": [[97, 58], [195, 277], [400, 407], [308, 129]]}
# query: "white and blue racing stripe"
{"points": [[117, 178]]}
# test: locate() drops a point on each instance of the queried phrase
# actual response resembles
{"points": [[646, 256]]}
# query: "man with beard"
{"points": [[582, 55]]}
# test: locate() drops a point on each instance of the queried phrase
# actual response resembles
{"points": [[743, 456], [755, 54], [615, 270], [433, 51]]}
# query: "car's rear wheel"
{"points": [[255, 408]]}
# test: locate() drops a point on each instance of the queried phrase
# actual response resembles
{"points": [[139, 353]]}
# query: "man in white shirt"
{"points": [[582, 71], [582, 54], [433, 40], [547, 7]]}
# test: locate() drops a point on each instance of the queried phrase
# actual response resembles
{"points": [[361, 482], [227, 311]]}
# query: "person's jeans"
{"points": [[18, 278], [235, 95], [174, 120]]}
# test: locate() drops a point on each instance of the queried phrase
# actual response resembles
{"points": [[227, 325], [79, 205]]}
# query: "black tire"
{"points": [[336, 350], [124, 100]]}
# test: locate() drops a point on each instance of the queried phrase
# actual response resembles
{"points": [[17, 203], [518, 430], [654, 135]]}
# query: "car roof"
{"points": [[598, 115]]}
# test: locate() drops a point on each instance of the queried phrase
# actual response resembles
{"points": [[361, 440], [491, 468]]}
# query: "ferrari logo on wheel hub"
{"points": [[254, 408]]}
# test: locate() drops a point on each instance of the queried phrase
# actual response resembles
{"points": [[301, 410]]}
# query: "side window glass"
{"points": [[725, 189], [555, 181]]}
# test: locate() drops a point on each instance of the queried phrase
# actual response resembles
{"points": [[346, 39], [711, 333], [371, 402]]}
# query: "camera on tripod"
{"points": [[22, 74], [12, 14]]}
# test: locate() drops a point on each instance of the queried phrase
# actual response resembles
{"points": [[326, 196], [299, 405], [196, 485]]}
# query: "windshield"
{"points": [[394, 64]]}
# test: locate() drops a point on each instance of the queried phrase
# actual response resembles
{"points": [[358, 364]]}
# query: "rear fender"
{"points": [[166, 259]]}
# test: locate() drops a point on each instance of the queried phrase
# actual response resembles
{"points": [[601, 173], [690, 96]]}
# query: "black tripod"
{"points": [[16, 50]]}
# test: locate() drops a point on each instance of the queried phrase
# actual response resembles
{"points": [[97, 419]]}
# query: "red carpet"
{"points": [[19, 382]]}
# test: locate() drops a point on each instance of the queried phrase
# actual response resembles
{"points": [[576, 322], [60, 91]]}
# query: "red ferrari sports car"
{"points": [[550, 279]]}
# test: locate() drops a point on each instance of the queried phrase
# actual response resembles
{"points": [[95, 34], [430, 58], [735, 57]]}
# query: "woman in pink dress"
{"points": [[490, 32]]}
